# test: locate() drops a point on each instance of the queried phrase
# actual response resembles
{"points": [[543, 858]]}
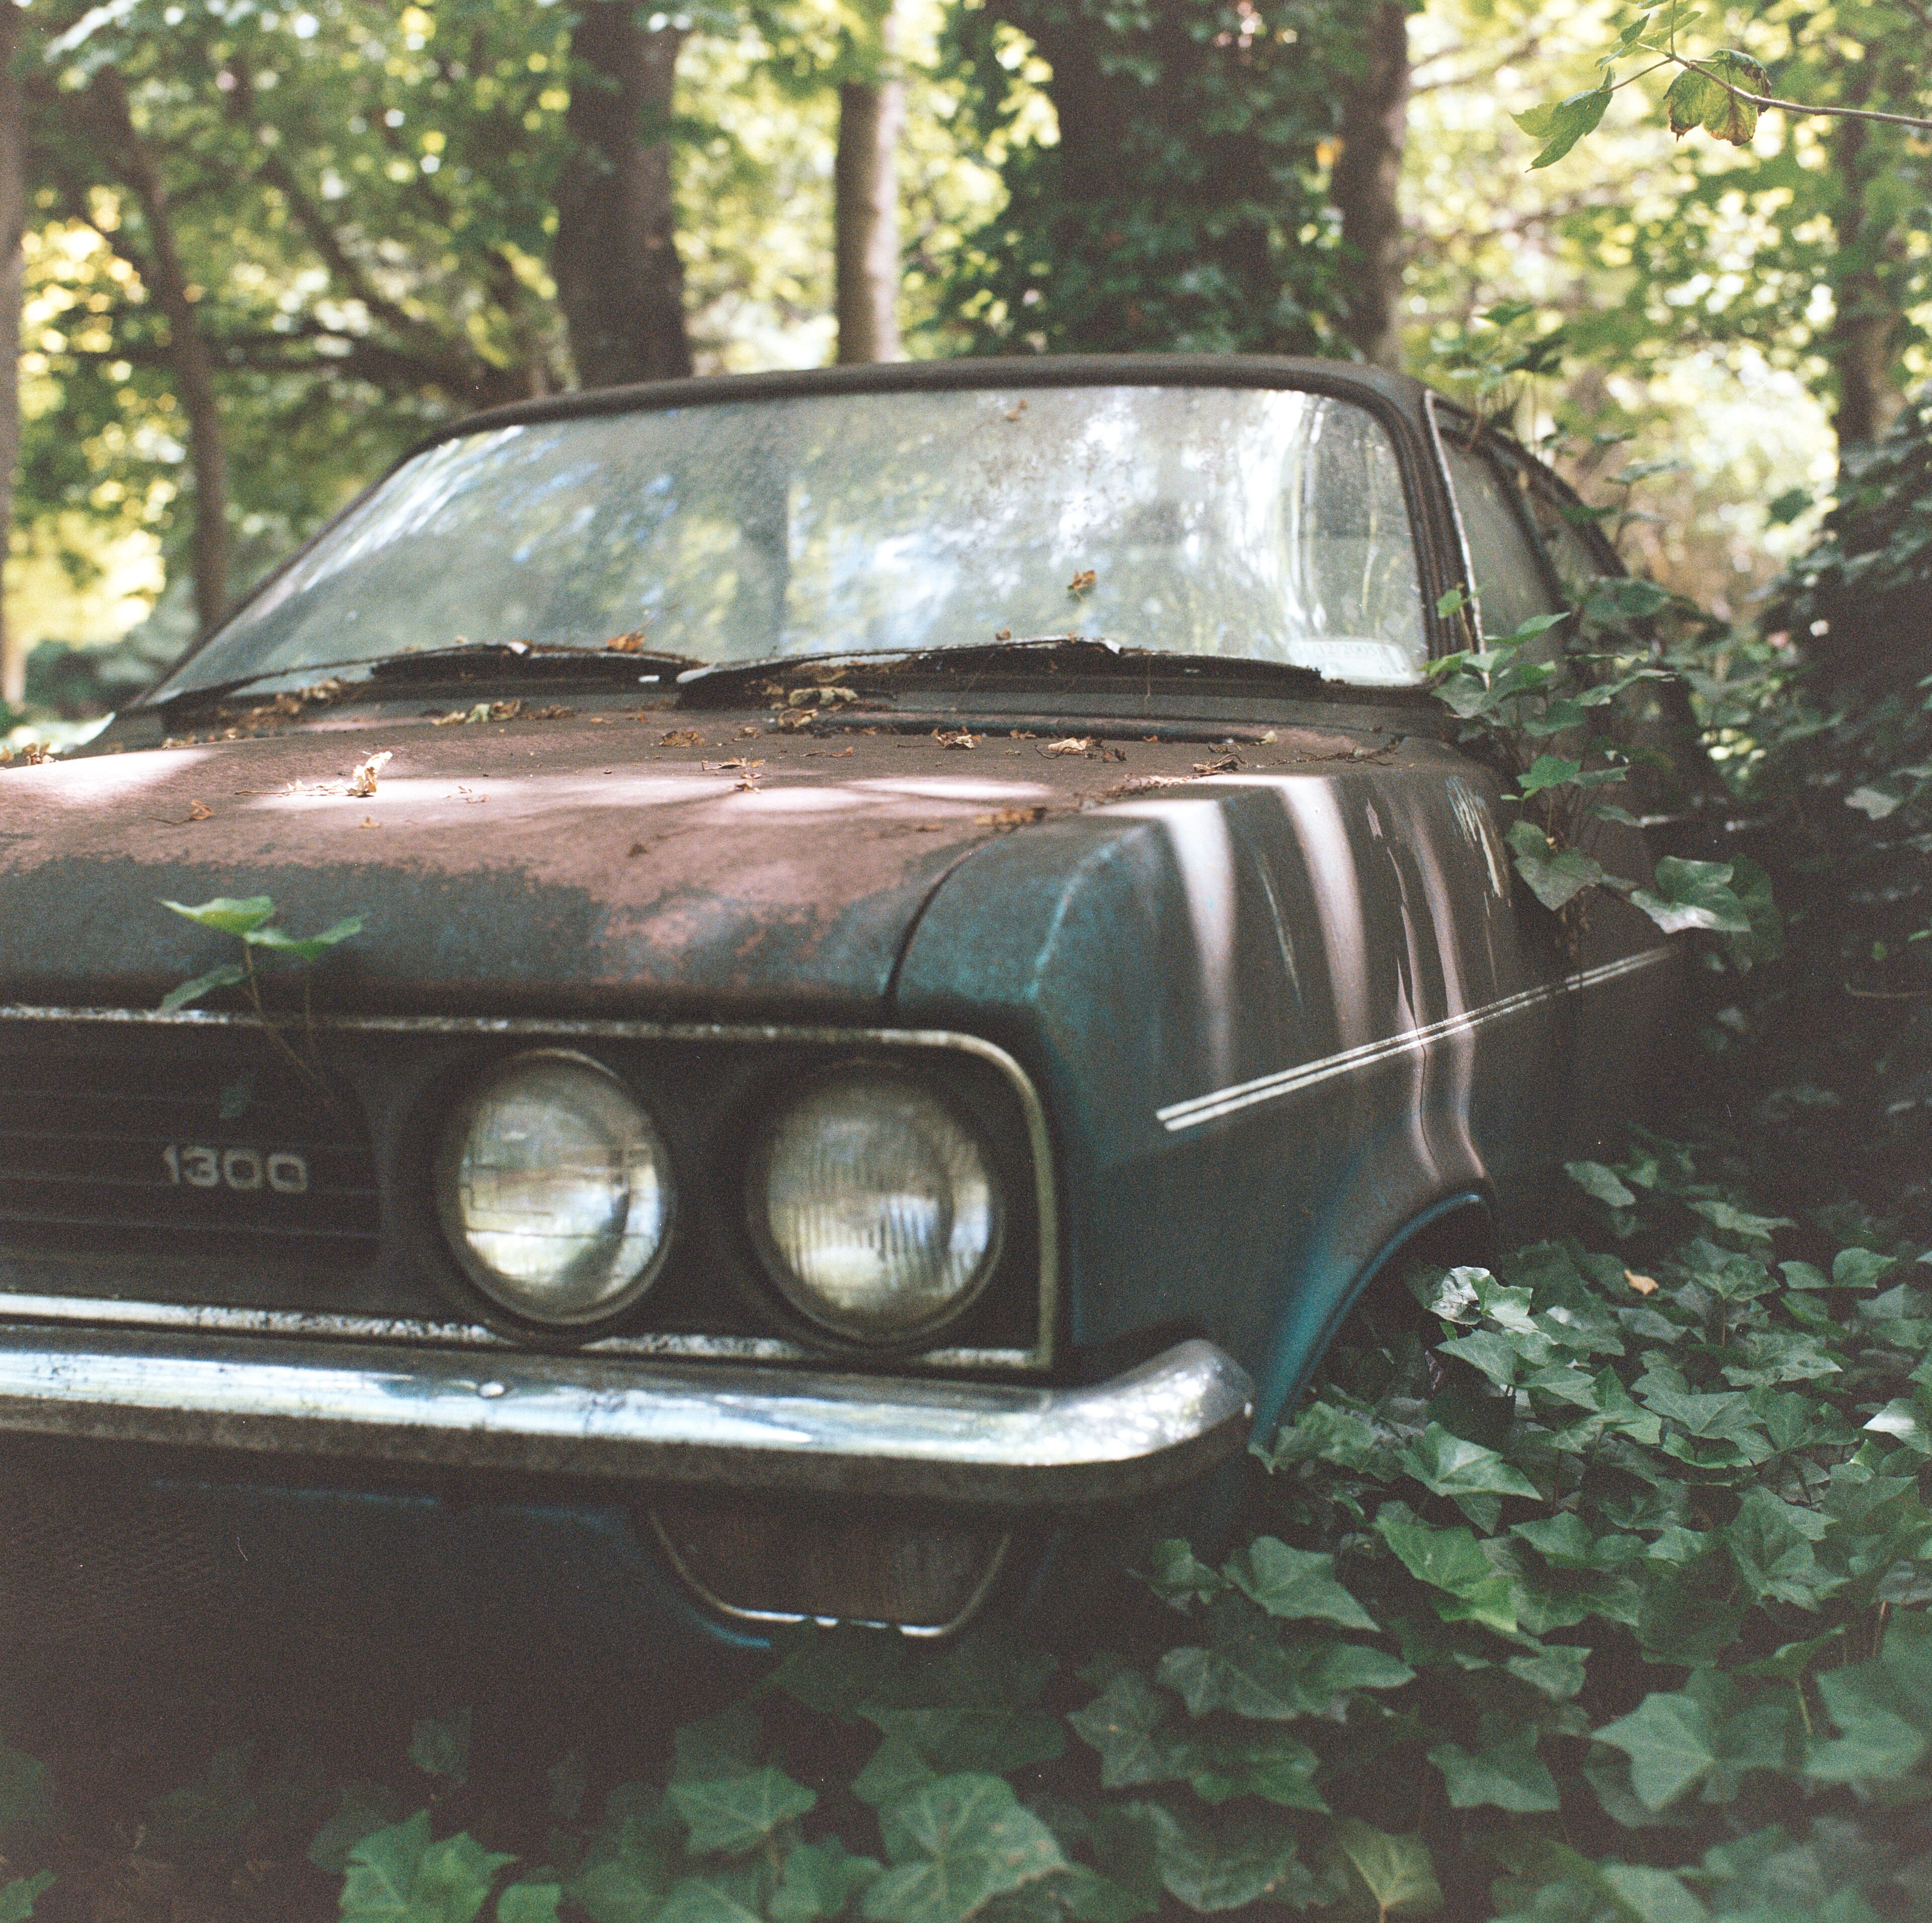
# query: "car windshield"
{"points": [[1256, 524]]}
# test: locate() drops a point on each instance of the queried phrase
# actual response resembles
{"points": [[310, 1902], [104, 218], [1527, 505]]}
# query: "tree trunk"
{"points": [[1365, 182], [618, 279], [12, 223], [865, 210], [105, 102], [1860, 345]]}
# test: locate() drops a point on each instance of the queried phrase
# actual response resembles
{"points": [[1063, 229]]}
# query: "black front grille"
{"points": [[128, 1151]]}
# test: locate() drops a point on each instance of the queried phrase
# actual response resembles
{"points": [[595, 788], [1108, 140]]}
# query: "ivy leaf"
{"points": [[228, 914], [1240, 1859], [1120, 1723], [1507, 1775], [1446, 1464], [1246, 1671], [398, 1875], [1692, 895], [1670, 1743], [364, 1808], [1858, 1268], [627, 1866], [303, 948], [819, 1879], [728, 1895], [17, 1898], [529, 1903], [1548, 771], [894, 1768], [1560, 126], [1180, 1577], [440, 1745], [956, 1843], [731, 1814], [1593, 1179], [1704, 99], [1295, 1584], [26, 1791], [225, 977], [1471, 1587], [1554, 876], [1397, 1869], [1652, 1895]]}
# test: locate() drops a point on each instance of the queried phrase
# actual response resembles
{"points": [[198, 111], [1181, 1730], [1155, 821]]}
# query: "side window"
{"points": [[1577, 562], [1509, 577]]}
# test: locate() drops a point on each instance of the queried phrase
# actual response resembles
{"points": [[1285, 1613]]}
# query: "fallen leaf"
{"points": [[827, 697], [1014, 412], [631, 644], [1006, 818], [549, 714], [1643, 1284], [1004, 635], [955, 738], [197, 812], [1082, 582], [504, 710], [790, 720], [1226, 764], [683, 737], [1072, 744], [637, 848], [362, 782], [454, 716]]}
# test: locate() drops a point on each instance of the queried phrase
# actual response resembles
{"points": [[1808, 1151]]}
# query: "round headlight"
{"points": [[878, 1211], [555, 1190]]}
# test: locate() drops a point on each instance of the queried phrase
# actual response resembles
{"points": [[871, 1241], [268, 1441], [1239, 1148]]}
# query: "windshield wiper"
{"points": [[1068, 656], [449, 663]]}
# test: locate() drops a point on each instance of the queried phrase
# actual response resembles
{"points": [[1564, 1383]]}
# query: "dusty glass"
{"points": [[1261, 524]]}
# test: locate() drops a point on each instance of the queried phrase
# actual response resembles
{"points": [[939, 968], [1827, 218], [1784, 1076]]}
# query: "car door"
{"points": [[1526, 557]]}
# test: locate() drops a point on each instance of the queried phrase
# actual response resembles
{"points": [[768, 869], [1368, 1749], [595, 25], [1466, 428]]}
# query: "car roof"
{"points": [[1398, 393]]}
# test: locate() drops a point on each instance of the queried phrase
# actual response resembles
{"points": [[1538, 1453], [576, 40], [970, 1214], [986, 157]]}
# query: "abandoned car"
{"points": [[841, 977]]}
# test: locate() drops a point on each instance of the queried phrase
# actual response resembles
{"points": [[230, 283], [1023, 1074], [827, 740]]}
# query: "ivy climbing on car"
{"points": [[1539, 714]]}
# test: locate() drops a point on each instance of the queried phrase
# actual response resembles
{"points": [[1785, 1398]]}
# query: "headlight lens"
{"points": [[555, 1190], [880, 1212]]}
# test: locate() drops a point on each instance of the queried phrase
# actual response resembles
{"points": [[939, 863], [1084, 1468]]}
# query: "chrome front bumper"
{"points": [[665, 1425]]}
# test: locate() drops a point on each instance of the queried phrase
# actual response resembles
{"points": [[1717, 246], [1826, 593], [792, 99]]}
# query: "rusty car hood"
{"points": [[575, 863]]}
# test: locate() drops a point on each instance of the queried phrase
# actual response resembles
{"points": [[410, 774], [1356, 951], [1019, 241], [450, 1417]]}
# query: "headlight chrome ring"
{"points": [[554, 1189], [876, 1208]]}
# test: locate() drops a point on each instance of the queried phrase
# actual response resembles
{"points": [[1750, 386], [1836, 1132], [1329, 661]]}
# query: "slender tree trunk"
{"points": [[105, 102], [619, 279], [865, 209], [13, 224], [1861, 343], [1366, 182]]}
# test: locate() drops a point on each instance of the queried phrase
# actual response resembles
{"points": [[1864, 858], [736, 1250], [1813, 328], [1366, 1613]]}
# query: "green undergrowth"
{"points": [[1592, 1590]]}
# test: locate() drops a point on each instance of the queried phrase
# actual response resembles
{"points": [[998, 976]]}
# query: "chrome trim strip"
{"points": [[1039, 1140], [312, 1324], [1179, 1115], [998, 1446], [933, 1632]]}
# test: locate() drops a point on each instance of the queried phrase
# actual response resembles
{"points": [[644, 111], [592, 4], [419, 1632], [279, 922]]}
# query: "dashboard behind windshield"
{"points": [[1256, 524]]}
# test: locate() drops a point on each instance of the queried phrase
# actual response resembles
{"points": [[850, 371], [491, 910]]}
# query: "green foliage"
{"points": [[1180, 208], [19, 1895], [248, 920]]}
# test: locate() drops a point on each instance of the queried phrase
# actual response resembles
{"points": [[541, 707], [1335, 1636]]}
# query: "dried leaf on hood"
{"points": [[1082, 582], [362, 782], [631, 644], [1004, 819]]}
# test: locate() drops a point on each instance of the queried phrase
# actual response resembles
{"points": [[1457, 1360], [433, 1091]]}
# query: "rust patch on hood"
{"points": [[581, 865]]}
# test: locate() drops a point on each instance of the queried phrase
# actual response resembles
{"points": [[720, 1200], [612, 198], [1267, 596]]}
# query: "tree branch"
{"points": [[1770, 103]]}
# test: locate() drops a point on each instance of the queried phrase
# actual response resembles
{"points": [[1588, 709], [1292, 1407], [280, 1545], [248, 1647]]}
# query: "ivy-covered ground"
{"points": [[1591, 1591]]}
